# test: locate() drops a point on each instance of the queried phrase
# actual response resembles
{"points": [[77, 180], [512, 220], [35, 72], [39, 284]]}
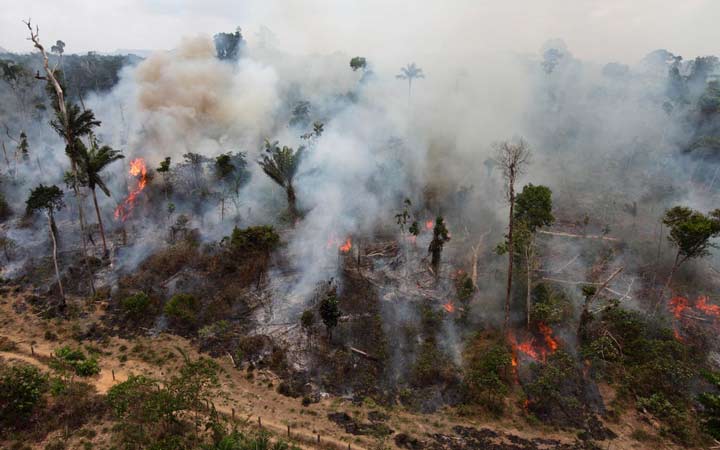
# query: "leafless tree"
{"points": [[512, 156]]}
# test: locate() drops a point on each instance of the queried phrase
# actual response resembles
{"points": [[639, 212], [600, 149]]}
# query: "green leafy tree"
{"points": [[281, 165], [329, 308], [231, 171], [692, 233], [711, 405], [21, 391], [358, 63], [49, 199], [441, 236], [410, 72], [184, 309], [92, 161], [164, 169], [533, 210]]}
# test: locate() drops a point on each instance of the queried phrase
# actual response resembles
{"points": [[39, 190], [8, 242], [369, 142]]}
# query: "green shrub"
{"points": [[136, 306], [183, 308], [259, 239], [550, 305], [21, 390], [487, 365], [711, 405], [75, 359]]}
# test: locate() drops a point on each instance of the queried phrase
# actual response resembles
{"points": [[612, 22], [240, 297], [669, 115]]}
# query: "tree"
{"points": [[24, 147], [440, 237], [231, 171], [358, 63], [281, 165], [92, 161], [49, 199], [410, 72], [533, 210], [691, 232], [58, 48], [228, 45], [163, 169], [511, 156], [329, 311]]}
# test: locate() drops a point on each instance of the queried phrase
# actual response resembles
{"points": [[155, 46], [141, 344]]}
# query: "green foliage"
{"points": [[49, 198], [21, 391], [92, 161], [487, 365], [164, 165], [555, 392], [281, 163], [136, 306], [432, 366], [550, 305], [647, 363], [358, 62], [258, 239], [329, 308], [691, 231], [533, 207], [307, 320], [152, 413], [711, 405], [74, 359], [464, 287], [183, 308]]}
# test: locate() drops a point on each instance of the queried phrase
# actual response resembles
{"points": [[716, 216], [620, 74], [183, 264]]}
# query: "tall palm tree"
{"points": [[281, 165], [91, 163], [409, 73]]}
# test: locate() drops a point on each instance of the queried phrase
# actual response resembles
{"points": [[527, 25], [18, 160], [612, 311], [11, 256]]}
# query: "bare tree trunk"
{"points": [[292, 203], [529, 283], [222, 209], [508, 291], [100, 223], [675, 266], [589, 300], [57, 270]]}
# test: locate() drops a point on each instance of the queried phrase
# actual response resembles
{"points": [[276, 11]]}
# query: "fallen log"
{"points": [[579, 236], [363, 354]]}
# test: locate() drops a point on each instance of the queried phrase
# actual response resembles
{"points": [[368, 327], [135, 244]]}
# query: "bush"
{"points": [[183, 308], [487, 365], [550, 306], [259, 239], [711, 405], [21, 390], [75, 359], [136, 306]]}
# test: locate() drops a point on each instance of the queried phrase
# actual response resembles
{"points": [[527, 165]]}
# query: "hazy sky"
{"points": [[600, 30]]}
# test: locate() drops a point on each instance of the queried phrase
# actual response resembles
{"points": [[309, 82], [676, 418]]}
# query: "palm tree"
{"points": [[92, 161], [281, 165], [409, 73]]}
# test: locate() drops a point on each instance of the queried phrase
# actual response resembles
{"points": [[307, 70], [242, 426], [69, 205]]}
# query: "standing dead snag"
{"points": [[511, 156]]}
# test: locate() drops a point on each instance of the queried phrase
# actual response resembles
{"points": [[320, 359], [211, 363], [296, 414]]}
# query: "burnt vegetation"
{"points": [[573, 302]]}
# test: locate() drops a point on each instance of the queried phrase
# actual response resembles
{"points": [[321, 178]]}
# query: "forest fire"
{"points": [[138, 170], [537, 351], [429, 224], [678, 305], [346, 246], [547, 333], [709, 309], [449, 307]]}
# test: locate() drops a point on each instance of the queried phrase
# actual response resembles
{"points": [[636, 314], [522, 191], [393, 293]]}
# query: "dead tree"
{"points": [[512, 156]]}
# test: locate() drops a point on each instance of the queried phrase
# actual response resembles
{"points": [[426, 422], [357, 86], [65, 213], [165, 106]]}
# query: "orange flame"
{"points": [[429, 225], [677, 335], [137, 168], [547, 333], [346, 246], [678, 305], [449, 307], [708, 308]]}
